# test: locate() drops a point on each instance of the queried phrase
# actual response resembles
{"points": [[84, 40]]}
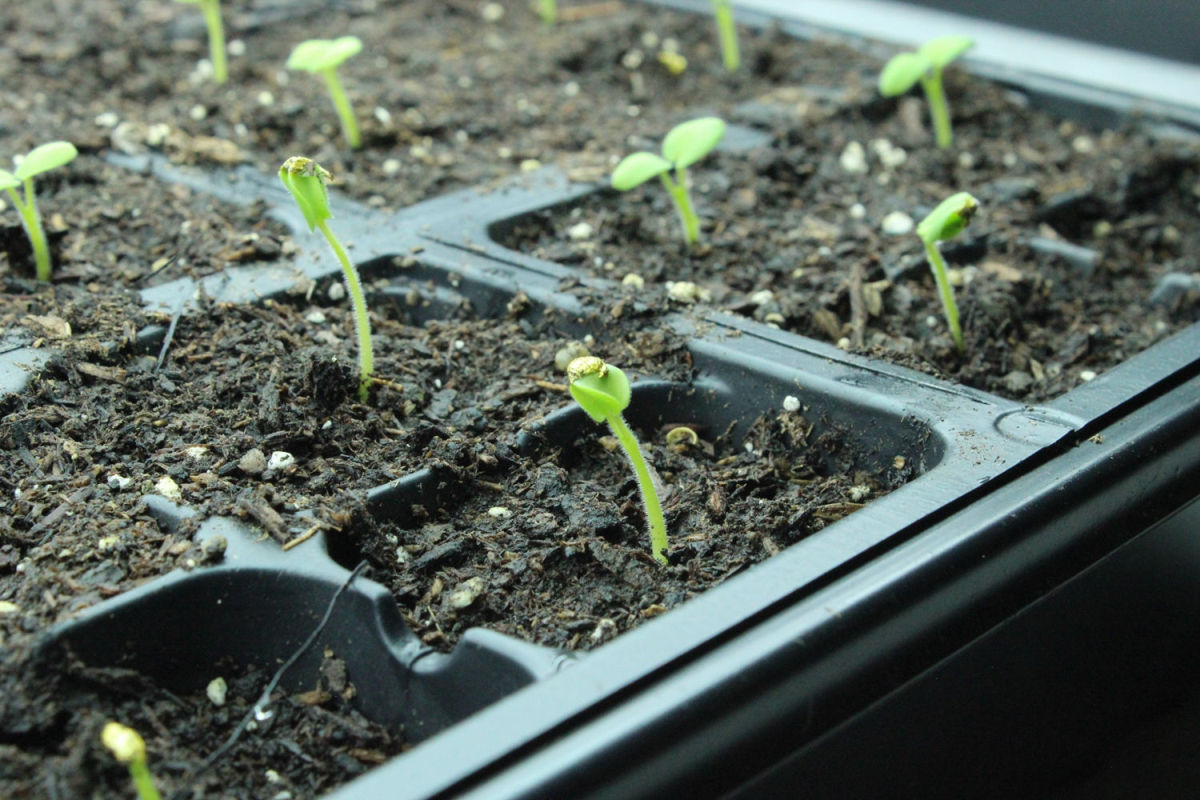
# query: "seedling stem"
{"points": [[548, 11], [216, 36], [925, 66], [603, 392], [306, 179], [677, 188], [362, 323], [684, 145], [38, 160], [128, 747], [945, 222], [323, 57], [727, 34]]}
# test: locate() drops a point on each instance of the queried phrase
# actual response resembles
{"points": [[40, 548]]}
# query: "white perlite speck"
{"points": [[897, 223], [580, 231], [888, 154], [217, 690], [466, 593], [854, 159], [762, 297], [859, 493], [168, 488], [791, 403], [687, 292], [280, 459]]}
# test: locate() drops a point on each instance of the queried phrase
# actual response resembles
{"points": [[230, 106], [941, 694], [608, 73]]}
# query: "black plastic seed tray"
{"points": [[974, 632]]}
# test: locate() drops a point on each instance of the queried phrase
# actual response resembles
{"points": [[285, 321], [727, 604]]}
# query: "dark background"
{"points": [[1167, 28]]}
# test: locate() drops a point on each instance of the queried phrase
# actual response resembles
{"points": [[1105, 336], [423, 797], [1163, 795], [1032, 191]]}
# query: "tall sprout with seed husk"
{"points": [[925, 66], [727, 34], [945, 222], [603, 392], [306, 179], [216, 35], [42, 158], [684, 145], [128, 747], [323, 57]]}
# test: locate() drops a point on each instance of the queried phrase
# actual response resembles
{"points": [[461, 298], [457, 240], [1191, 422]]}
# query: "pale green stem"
{"points": [[654, 515], [362, 323], [344, 111], [727, 34], [548, 11], [142, 781], [946, 291], [683, 203], [216, 38], [938, 109], [32, 223]]}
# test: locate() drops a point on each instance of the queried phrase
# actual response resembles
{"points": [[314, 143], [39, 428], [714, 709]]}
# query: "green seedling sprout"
{"points": [[216, 35], [603, 392], [323, 57], [42, 158], [727, 34], [548, 11], [925, 66], [683, 146], [128, 747], [306, 179], [945, 222]]}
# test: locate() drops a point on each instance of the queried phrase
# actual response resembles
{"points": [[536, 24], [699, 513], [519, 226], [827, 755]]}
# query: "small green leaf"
{"points": [[318, 55], [637, 168], [305, 179], [691, 141], [44, 158], [949, 219], [8, 180], [601, 390], [902, 72], [944, 49]]}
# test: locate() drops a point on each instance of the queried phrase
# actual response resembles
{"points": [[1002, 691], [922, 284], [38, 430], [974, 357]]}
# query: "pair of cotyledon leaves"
{"points": [[683, 146], [905, 69], [42, 158], [319, 55]]}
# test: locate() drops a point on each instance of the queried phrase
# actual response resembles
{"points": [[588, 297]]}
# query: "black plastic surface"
{"points": [[918, 619]]}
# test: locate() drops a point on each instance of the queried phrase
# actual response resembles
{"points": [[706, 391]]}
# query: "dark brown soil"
{"points": [[467, 103], [785, 244]]}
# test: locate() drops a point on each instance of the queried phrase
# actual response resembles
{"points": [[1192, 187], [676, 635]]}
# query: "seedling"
{"points": [[945, 222], [216, 35], [306, 179], [548, 11], [128, 747], [323, 57], [42, 158], [603, 392], [926, 65], [684, 145], [727, 34]]}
